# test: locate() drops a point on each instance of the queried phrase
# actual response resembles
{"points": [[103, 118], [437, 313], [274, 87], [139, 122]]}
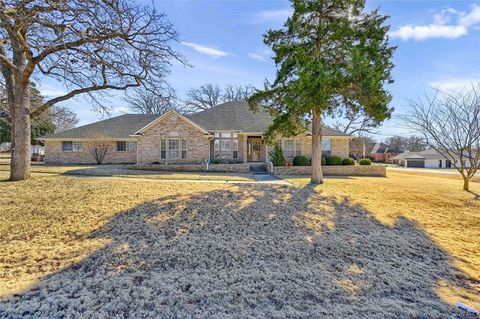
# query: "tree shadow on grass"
{"points": [[249, 251]]}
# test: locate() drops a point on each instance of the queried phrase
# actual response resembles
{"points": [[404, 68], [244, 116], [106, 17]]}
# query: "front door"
{"points": [[254, 146]]}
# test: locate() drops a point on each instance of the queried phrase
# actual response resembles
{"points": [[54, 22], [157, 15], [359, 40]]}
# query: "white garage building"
{"points": [[425, 159]]}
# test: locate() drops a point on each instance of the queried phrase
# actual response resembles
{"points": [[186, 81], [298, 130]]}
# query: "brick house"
{"points": [[384, 153], [229, 133]]}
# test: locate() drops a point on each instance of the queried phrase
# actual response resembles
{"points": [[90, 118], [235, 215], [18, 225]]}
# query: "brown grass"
{"points": [[122, 171], [45, 222], [435, 202], [258, 250]]}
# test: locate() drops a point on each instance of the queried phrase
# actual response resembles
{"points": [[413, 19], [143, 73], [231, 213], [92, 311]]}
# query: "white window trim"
{"points": [[218, 136], [73, 147], [296, 151], [180, 149]]}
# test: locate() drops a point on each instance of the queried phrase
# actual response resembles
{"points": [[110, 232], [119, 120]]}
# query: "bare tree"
{"points": [[411, 143], [99, 148], [450, 123], [355, 123], [361, 145], [87, 45], [210, 95], [203, 97], [415, 143], [237, 92], [63, 118], [147, 101]]}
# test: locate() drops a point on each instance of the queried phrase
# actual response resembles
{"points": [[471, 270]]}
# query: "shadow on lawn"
{"points": [[257, 250]]}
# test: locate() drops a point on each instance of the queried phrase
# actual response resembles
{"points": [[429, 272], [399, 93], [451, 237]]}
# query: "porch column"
{"points": [[243, 145]]}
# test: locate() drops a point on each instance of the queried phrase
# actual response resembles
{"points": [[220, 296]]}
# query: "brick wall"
{"points": [[339, 146], [55, 155], [347, 170], [172, 126]]}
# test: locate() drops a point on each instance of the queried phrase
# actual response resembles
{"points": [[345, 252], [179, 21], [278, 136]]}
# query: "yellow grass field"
{"points": [[355, 241], [435, 202]]}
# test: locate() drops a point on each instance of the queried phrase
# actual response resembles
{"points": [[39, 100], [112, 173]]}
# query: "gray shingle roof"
{"points": [[231, 116], [116, 127], [384, 148], [427, 154], [234, 116]]}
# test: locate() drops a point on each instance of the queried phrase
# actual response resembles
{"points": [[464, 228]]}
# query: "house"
{"points": [[229, 133], [424, 159], [382, 152]]}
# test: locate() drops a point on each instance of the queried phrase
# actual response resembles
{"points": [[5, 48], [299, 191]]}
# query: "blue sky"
{"points": [[438, 47]]}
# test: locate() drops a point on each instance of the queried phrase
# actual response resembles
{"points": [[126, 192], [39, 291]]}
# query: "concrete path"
{"points": [[269, 179], [424, 170]]}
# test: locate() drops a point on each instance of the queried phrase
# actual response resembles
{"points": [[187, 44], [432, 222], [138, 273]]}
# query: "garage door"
{"points": [[415, 163]]}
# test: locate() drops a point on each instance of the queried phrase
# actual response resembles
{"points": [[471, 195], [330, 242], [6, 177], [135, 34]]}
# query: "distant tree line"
{"points": [[203, 97]]}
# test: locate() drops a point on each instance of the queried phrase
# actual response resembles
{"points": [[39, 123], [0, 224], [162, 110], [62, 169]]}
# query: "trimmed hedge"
{"points": [[365, 161], [333, 160], [301, 160], [348, 161], [324, 161]]}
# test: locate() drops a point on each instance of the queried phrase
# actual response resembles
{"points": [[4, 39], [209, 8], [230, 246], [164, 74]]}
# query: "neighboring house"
{"points": [[229, 133], [425, 159], [384, 153]]}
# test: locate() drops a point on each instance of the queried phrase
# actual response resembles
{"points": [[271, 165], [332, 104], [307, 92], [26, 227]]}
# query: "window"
{"points": [[288, 148], [173, 149], [69, 146], [184, 149], [326, 145], [235, 148], [131, 146], [121, 146], [225, 145], [163, 149]]}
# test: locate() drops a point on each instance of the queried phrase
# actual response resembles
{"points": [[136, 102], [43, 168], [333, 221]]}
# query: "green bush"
{"points": [[334, 160], [324, 161], [365, 161], [348, 161], [300, 160], [276, 156]]}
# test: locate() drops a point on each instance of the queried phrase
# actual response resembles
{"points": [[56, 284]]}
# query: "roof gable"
{"points": [[164, 117]]}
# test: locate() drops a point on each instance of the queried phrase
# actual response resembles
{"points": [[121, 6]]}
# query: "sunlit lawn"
{"points": [[46, 223], [435, 202], [123, 171]]}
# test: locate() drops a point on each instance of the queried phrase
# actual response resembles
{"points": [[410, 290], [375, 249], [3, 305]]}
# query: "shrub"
{"points": [[324, 161], [300, 160], [365, 161], [334, 160], [348, 161], [276, 156], [215, 161]]}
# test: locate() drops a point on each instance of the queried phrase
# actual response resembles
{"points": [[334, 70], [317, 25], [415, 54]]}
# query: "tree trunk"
{"points": [[317, 175], [466, 183], [21, 147]]}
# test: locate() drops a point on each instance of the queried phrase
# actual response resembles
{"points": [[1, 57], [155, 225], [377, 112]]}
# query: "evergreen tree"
{"points": [[329, 54]]}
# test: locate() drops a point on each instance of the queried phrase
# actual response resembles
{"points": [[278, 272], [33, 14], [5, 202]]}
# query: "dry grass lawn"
{"points": [[436, 203], [398, 247], [122, 171]]}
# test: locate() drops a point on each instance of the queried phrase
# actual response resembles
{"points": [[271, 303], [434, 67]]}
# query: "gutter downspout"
{"points": [[209, 152]]}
